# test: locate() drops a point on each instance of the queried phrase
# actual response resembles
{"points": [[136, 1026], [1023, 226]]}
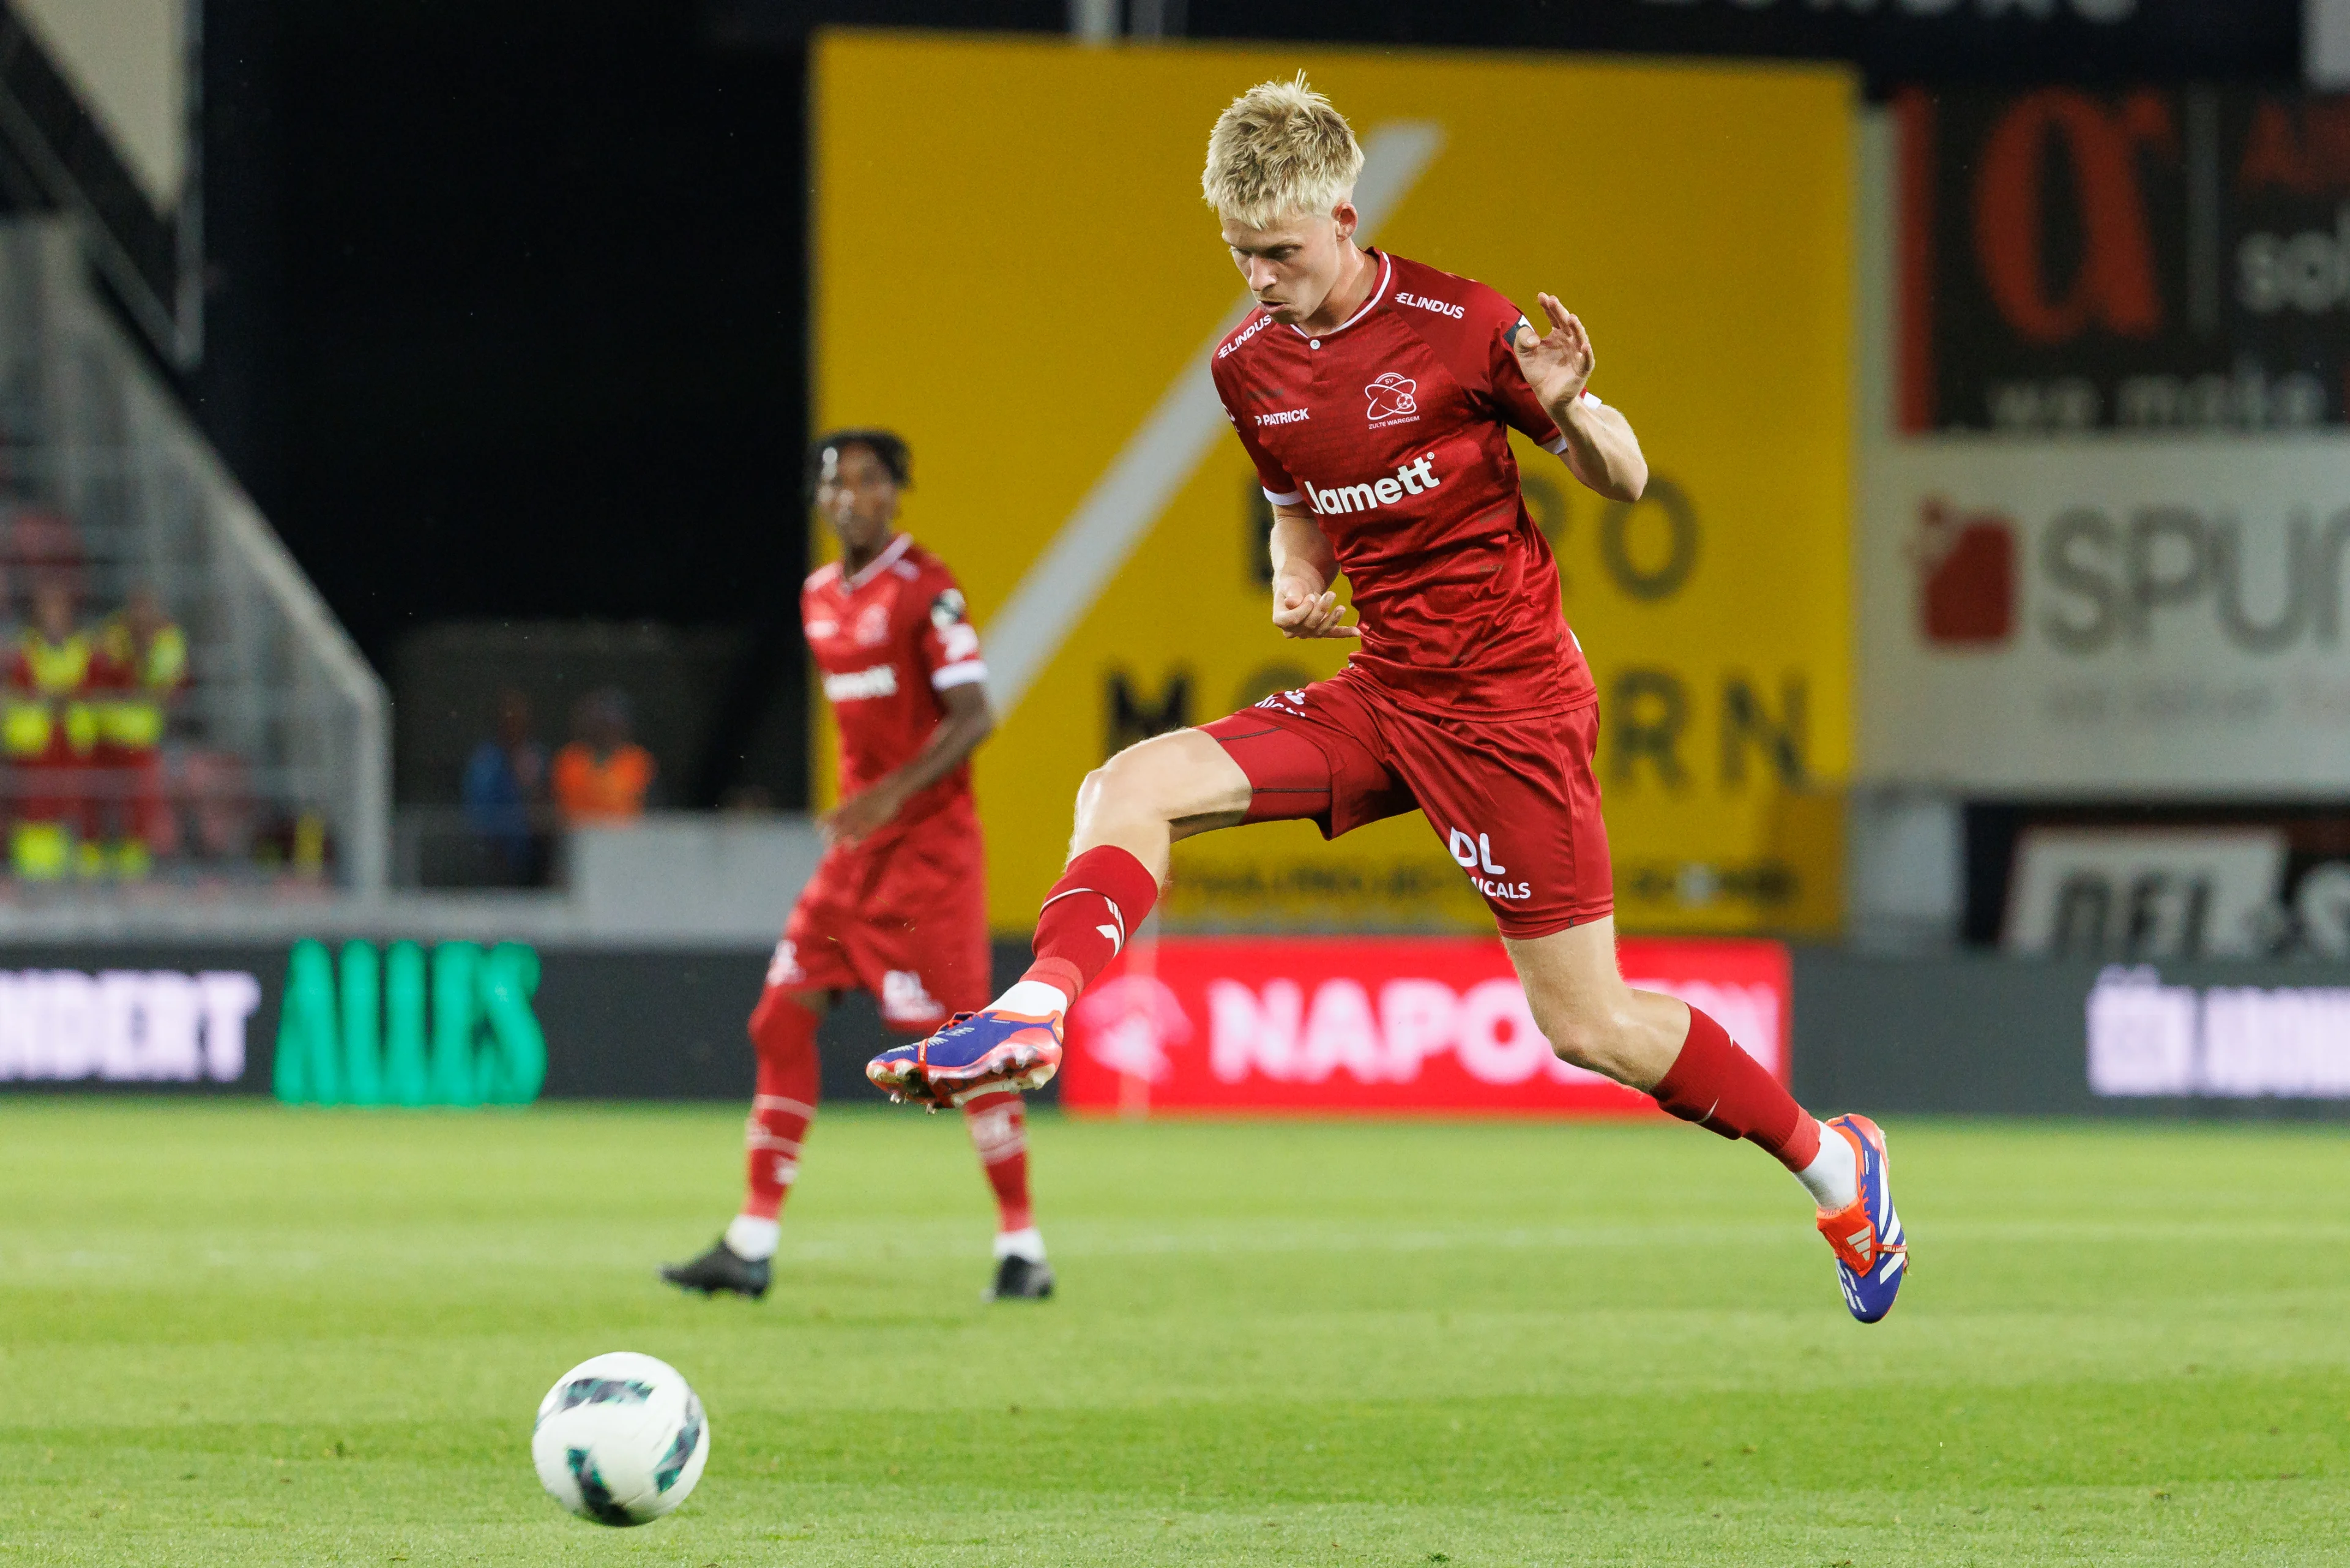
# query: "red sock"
{"points": [[784, 1102], [999, 1131], [1099, 901], [1719, 1086]]}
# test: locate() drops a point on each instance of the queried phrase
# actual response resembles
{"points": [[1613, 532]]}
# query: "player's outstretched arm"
{"points": [[1303, 567], [968, 720], [1601, 449]]}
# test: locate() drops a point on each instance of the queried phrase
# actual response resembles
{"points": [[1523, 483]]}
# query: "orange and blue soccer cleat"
{"points": [[975, 1054], [1872, 1255]]}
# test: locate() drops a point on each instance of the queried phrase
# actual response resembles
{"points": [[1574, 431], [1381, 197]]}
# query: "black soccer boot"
{"points": [[721, 1269], [1017, 1279]]}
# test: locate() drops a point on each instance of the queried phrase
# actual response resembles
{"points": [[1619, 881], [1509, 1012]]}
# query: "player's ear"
{"points": [[1348, 219]]}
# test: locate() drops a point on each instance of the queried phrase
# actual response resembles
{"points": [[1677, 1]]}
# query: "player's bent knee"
{"points": [[1592, 1041], [1139, 781], [1090, 790], [1105, 796], [1574, 1043]]}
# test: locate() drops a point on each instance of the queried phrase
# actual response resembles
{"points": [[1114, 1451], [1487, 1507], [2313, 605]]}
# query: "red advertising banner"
{"points": [[1377, 1026]]}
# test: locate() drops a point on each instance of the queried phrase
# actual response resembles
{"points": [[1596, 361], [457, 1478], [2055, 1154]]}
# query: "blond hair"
{"points": [[1279, 150]]}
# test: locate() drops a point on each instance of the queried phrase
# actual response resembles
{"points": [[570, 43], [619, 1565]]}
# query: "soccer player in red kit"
{"points": [[897, 906], [1376, 395]]}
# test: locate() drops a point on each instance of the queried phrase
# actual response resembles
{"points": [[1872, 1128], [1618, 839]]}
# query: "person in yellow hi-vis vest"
{"points": [[50, 732], [142, 663]]}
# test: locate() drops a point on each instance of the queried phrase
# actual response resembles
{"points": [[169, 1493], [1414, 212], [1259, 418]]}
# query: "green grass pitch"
{"points": [[245, 1334]]}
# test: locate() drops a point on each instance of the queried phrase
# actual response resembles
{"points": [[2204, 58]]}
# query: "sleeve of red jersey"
{"points": [[1519, 408], [947, 644], [1279, 488]]}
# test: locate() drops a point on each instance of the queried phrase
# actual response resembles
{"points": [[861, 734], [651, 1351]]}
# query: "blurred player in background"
{"points": [[898, 905], [1376, 395]]}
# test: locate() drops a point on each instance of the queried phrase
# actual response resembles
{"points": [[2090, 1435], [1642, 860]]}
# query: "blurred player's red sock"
{"points": [[1099, 902], [999, 1131], [1719, 1086], [781, 1105]]}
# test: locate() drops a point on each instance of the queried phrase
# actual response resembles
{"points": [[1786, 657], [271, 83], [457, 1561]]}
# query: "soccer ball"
{"points": [[620, 1439]]}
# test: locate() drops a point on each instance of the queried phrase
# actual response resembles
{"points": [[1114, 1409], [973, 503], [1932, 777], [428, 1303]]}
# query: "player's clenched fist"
{"points": [[1301, 612]]}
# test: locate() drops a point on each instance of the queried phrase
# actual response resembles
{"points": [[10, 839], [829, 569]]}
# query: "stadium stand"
{"points": [[186, 712]]}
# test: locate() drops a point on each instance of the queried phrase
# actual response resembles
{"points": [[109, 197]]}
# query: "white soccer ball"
{"points": [[621, 1438]]}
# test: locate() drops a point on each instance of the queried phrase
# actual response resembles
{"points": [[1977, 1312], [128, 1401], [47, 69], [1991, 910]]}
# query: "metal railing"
{"points": [[278, 695]]}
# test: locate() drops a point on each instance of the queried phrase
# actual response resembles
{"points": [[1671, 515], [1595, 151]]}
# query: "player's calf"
{"points": [[1841, 1163], [783, 1033], [998, 1124], [1688, 1062]]}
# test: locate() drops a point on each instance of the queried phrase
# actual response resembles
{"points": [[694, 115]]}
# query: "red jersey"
{"points": [[886, 642], [1393, 430]]}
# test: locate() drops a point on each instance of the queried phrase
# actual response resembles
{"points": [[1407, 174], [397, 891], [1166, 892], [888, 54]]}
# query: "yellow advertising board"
{"points": [[1013, 267]]}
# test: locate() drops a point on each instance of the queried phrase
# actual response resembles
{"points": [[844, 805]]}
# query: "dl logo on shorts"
{"points": [[1476, 856]]}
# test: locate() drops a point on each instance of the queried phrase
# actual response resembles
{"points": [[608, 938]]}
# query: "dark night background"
{"points": [[505, 310], [506, 307]]}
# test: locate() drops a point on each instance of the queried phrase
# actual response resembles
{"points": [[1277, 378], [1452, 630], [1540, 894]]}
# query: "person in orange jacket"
{"points": [[602, 775], [48, 728], [142, 663]]}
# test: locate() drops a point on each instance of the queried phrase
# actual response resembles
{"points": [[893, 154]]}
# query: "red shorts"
{"points": [[904, 919], [1514, 799]]}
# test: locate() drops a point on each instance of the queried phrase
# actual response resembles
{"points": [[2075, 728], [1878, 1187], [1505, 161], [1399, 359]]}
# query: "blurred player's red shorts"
{"points": [[903, 917], [1512, 798]]}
